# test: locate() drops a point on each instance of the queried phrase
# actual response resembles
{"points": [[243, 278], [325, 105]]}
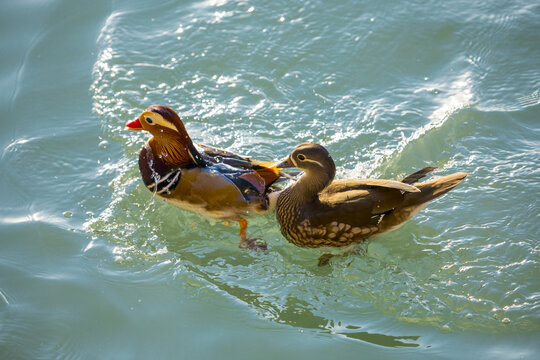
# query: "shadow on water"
{"points": [[298, 313], [225, 270], [267, 283]]}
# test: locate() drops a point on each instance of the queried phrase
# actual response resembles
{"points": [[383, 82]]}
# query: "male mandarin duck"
{"points": [[319, 211], [212, 181]]}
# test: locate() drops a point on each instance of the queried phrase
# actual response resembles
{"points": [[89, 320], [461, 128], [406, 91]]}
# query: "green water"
{"points": [[93, 267]]}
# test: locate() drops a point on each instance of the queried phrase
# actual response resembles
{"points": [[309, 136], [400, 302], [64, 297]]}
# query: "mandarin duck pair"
{"points": [[316, 211]]}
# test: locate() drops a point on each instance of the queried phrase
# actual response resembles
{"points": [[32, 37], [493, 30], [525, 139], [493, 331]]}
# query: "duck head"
{"points": [[315, 161], [170, 140]]}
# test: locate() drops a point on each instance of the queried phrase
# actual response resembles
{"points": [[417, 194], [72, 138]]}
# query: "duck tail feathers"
{"points": [[414, 177], [432, 189]]}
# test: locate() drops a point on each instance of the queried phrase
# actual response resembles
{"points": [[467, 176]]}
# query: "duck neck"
{"points": [[174, 152], [310, 185], [292, 199]]}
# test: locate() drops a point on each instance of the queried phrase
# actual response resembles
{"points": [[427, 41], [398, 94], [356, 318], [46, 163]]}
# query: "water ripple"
{"points": [[465, 263]]}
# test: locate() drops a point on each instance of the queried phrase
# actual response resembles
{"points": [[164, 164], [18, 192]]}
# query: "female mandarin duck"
{"points": [[319, 211], [212, 181]]}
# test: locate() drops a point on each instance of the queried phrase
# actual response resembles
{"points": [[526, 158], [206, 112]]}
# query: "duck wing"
{"points": [[340, 186], [359, 199], [337, 219], [369, 197], [262, 174], [215, 151], [215, 155], [345, 212]]}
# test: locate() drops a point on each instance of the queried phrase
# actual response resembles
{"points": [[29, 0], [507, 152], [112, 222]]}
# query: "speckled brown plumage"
{"points": [[319, 211]]}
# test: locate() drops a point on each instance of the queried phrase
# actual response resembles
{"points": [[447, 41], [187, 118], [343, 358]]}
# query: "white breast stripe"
{"points": [[173, 182], [160, 181]]}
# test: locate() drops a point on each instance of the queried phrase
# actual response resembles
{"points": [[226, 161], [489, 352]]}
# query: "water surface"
{"points": [[92, 265]]}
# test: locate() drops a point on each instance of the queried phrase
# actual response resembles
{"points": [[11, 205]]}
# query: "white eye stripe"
{"points": [[314, 162], [157, 119], [167, 124]]}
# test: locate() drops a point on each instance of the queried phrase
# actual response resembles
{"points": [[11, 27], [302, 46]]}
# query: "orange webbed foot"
{"points": [[247, 243]]}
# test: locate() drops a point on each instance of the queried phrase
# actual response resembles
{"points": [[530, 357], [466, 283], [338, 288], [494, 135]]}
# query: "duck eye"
{"points": [[149, 120], [301, 157]]}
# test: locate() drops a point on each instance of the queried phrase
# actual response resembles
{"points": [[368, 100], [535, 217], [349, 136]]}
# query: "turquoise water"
{"points": [[92, 266]]}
